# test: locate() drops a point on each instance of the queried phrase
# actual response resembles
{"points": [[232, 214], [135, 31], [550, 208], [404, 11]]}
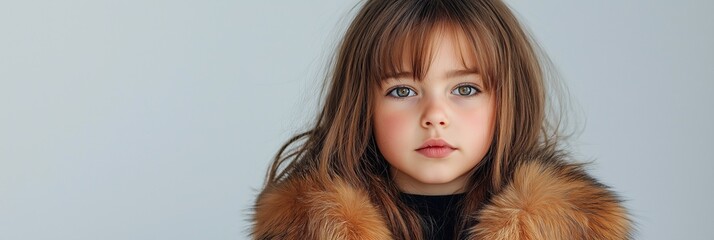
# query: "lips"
{"points": [[435, 148]]}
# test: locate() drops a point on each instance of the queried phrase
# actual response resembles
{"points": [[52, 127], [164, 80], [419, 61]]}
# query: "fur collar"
{"points": [[546, 199]]}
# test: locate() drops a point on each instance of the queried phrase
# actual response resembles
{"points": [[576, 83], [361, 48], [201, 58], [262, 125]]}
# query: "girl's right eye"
{"points": [[402, 92]]}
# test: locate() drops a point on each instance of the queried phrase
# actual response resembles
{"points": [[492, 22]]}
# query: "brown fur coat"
{"points": [[546, 199]]}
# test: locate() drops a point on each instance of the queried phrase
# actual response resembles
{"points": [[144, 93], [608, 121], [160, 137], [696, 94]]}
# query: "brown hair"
{"points": [[341, 144]]}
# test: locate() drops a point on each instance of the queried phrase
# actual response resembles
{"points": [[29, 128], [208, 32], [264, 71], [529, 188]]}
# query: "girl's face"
{"points": [[434, 131]]}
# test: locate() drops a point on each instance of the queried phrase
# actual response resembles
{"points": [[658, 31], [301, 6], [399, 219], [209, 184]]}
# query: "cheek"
{"points": [[479, 121], [392, 130]]}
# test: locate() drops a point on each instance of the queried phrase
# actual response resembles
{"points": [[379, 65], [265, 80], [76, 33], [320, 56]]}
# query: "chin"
{"points": [[437, 179]]}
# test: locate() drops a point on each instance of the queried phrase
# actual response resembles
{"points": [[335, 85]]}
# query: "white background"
{"points": [[157, 119]]}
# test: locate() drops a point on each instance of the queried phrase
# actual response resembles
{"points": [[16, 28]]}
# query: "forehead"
{"points": [[415, 52]]}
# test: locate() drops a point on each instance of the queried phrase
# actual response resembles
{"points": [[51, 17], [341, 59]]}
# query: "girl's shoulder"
{"points": [[301, 207], [547, 198], [551, 198]]}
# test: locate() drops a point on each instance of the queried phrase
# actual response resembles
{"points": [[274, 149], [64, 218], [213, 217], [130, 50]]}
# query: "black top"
{"points": [[439, 213]]}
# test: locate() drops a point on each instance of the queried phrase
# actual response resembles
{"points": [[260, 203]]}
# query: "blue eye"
{"points": [[402, 92], [465, 90]]}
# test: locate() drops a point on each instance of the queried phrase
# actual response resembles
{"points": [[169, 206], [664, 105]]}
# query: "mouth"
{"points": [[435, 148]]}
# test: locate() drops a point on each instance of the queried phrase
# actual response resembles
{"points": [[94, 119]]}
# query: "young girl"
{"points": [[434, 127]]}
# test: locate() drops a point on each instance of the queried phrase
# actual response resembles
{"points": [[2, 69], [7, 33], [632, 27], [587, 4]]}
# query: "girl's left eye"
{"points": [[465, 90]]}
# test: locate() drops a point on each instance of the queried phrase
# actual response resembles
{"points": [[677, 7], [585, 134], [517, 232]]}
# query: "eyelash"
{"points": [[473, 91]]}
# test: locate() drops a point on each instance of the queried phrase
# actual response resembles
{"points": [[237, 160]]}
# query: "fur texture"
{"points": [[546, 199]]}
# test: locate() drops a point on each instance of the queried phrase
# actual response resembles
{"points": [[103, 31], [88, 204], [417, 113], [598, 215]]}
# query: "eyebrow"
{"points": [[460, 73], [399, 75], [449, 74]]}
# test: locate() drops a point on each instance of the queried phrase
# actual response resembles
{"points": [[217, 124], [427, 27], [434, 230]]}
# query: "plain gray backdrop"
{"points": [[158, 119]]}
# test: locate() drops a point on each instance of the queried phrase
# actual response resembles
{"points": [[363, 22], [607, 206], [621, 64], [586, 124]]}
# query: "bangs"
{"points": [[406, 46]]}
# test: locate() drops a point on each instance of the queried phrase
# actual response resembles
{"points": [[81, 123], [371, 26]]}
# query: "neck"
{"points": [[413, 186]]}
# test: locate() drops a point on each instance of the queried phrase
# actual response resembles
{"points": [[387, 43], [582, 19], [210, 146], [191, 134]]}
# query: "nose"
{"points": [[434, 115]]}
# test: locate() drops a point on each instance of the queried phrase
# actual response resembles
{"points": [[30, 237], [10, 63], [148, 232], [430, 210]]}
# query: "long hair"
{"points": [[341, 145]]}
